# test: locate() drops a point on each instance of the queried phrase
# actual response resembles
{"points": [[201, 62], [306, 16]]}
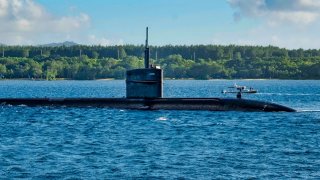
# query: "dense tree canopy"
{"points": [[198, 62]]}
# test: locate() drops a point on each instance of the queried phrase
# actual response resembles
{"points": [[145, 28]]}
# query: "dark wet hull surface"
{"points": [[211, 104]]}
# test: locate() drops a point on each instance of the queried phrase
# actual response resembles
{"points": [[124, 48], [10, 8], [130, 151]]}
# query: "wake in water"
{"points": [[308, 110], [288, 94]]}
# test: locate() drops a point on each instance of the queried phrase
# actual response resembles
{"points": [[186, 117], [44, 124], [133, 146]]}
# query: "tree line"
{"points": [[197, 62]]}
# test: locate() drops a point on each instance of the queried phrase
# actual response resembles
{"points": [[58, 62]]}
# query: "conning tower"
{"points": [[145, 82]]}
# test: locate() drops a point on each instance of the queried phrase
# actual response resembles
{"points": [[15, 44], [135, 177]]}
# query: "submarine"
{"points": [[144, 91]]}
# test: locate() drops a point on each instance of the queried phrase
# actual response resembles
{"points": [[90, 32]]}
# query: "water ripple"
{"points": [[100, 143]]}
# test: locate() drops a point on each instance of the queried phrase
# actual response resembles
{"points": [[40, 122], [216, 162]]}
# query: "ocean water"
{"points": [[102, 143]]}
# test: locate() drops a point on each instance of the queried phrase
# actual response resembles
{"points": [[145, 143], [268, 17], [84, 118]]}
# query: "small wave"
{"points": [[162, 119], [308, 110], [22, 105]]}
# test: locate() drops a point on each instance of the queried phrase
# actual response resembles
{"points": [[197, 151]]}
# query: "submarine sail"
{"points": [[146, 82]]}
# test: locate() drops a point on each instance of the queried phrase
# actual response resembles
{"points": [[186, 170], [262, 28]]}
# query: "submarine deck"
{"points": [[211, 104]]}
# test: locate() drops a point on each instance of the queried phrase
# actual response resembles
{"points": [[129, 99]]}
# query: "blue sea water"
{"points": [[102, 143]]}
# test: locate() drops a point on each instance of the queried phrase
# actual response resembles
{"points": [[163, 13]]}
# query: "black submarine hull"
{"points": [[210, 104]]}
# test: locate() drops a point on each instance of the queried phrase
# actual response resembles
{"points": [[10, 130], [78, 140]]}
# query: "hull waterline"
{"points": [[210, 104]]}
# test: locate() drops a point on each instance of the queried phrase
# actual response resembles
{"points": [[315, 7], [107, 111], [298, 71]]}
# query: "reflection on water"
{"points": [[73, 143]]}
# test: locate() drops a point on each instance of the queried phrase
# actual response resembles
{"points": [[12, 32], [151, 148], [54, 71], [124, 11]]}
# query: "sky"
{"points": [[289, 24]]}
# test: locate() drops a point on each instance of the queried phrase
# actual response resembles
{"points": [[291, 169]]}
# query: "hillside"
{"points": [[198, 62]]}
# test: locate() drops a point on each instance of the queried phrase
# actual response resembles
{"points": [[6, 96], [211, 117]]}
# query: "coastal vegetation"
{"points": [[196, 61]]}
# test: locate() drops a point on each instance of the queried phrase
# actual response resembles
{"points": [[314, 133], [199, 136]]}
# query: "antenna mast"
{"points": [[146, 52]]}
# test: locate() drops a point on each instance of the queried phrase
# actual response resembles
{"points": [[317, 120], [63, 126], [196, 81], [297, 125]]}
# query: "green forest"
{"points": [[179, 62]]}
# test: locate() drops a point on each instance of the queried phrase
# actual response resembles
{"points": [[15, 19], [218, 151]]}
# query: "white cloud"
{"points": [[296, 17], [93, 40], [278, 11], [284, 23], [100, 40], [26, 22], [264, 35], [69, 24], [3, 8]]}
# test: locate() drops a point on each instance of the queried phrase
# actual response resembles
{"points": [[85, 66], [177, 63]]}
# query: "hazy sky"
{"points": [[284, 23]]}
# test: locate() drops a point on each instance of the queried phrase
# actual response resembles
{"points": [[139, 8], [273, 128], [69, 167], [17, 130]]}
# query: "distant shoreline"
{"points": [[58, 79], [172, 79]]}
